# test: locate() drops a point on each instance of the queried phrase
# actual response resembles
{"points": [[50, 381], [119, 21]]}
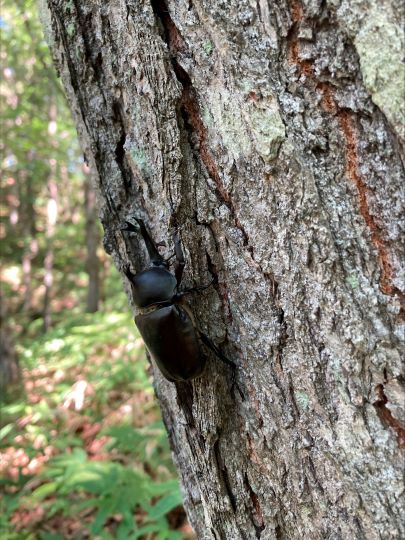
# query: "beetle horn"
{"points": [[155, 257], [130, 227]]}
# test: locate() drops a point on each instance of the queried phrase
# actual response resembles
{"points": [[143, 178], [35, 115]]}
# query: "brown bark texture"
{"points": [[270, 133]]}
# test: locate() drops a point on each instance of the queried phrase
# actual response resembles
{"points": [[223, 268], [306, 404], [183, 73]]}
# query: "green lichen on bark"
{"points": [[379, 41], [140, 159], [380, 45], [245, 128], [226, 120], [45, 18], [268, 129]]}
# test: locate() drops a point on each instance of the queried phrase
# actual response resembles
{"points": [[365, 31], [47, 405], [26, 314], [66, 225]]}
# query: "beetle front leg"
{"points": [[180, 263], [197, 289]]}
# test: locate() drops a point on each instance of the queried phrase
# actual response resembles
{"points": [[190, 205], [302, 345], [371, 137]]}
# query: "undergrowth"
{"points": [[83, 452]]}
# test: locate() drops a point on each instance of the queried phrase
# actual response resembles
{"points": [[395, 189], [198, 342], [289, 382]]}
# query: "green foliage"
{"points": [[116, 490], [38, 141], [128, 491], [83, 451]]}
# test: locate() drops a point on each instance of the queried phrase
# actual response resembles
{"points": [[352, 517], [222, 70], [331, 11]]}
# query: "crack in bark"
{"points": [[120, 156], [283, 336], [282, 340], [191, 113], [297, 14], [220, 287], [258, 519], [254, 456], [346, 121], [185, 399], [386, 417], [223, 475]]}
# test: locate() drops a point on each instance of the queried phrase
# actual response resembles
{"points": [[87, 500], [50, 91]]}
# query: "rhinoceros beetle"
{"points": [[165, 322]]}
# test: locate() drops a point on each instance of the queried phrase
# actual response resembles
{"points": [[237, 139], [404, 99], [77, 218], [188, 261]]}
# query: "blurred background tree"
{"points": [[83, 452], [43, 206]]}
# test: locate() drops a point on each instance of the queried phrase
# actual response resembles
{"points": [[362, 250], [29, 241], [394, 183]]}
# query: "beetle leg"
{"points": [[180, 263], [206, 340], [197, 289], [170, 258]]}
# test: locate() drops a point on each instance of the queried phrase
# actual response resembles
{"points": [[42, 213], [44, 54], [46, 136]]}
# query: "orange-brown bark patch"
{"points": [[352, 172], [386, 416], [346, 121]]}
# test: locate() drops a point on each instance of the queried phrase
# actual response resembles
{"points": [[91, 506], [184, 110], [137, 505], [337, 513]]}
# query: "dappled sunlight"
{"points": [[83, 451], [89, 421], [74, 398], [15, 462], [12, 276]]}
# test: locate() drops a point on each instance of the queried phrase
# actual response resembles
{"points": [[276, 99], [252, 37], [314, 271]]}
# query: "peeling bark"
{"points": [[270, 134]]}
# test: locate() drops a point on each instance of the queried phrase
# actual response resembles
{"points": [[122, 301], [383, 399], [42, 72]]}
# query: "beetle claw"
{"points": [[129, 227]]}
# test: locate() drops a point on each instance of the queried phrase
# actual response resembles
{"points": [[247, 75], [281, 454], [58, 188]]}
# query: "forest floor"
{"points": [[83, 451]]}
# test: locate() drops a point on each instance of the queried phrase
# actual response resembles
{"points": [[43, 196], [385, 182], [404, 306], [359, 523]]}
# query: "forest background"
{"points": [[83, 451]]}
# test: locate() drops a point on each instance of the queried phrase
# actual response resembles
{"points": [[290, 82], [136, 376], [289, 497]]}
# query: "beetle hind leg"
{"points": [[208, 343]]}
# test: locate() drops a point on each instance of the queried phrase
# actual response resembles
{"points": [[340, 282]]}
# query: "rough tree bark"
{"points": [[271, 133]]}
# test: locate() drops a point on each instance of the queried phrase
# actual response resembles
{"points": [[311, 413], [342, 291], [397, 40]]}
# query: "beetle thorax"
{"points": [[153, 286]]}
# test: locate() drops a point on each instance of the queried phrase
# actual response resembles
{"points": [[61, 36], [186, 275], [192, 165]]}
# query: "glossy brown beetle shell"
{"points": [[171, 339]]}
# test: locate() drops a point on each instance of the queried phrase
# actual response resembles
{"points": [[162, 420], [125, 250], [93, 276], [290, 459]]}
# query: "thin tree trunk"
{"points": [[51, 215], [92, 241], [9, 365], [27, 217], [49, 254], [270, 132]]}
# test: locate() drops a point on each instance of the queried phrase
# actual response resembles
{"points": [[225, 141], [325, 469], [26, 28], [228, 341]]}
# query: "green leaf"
{"points": [[107, 507], [43, 491], [150, 528], [165, 504], [50, 536], [6, 430]]}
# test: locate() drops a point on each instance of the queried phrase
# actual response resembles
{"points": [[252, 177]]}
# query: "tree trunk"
{"points": [[28, 218], [10, 374], [92, 242], [270, 133], [51, 216]]}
